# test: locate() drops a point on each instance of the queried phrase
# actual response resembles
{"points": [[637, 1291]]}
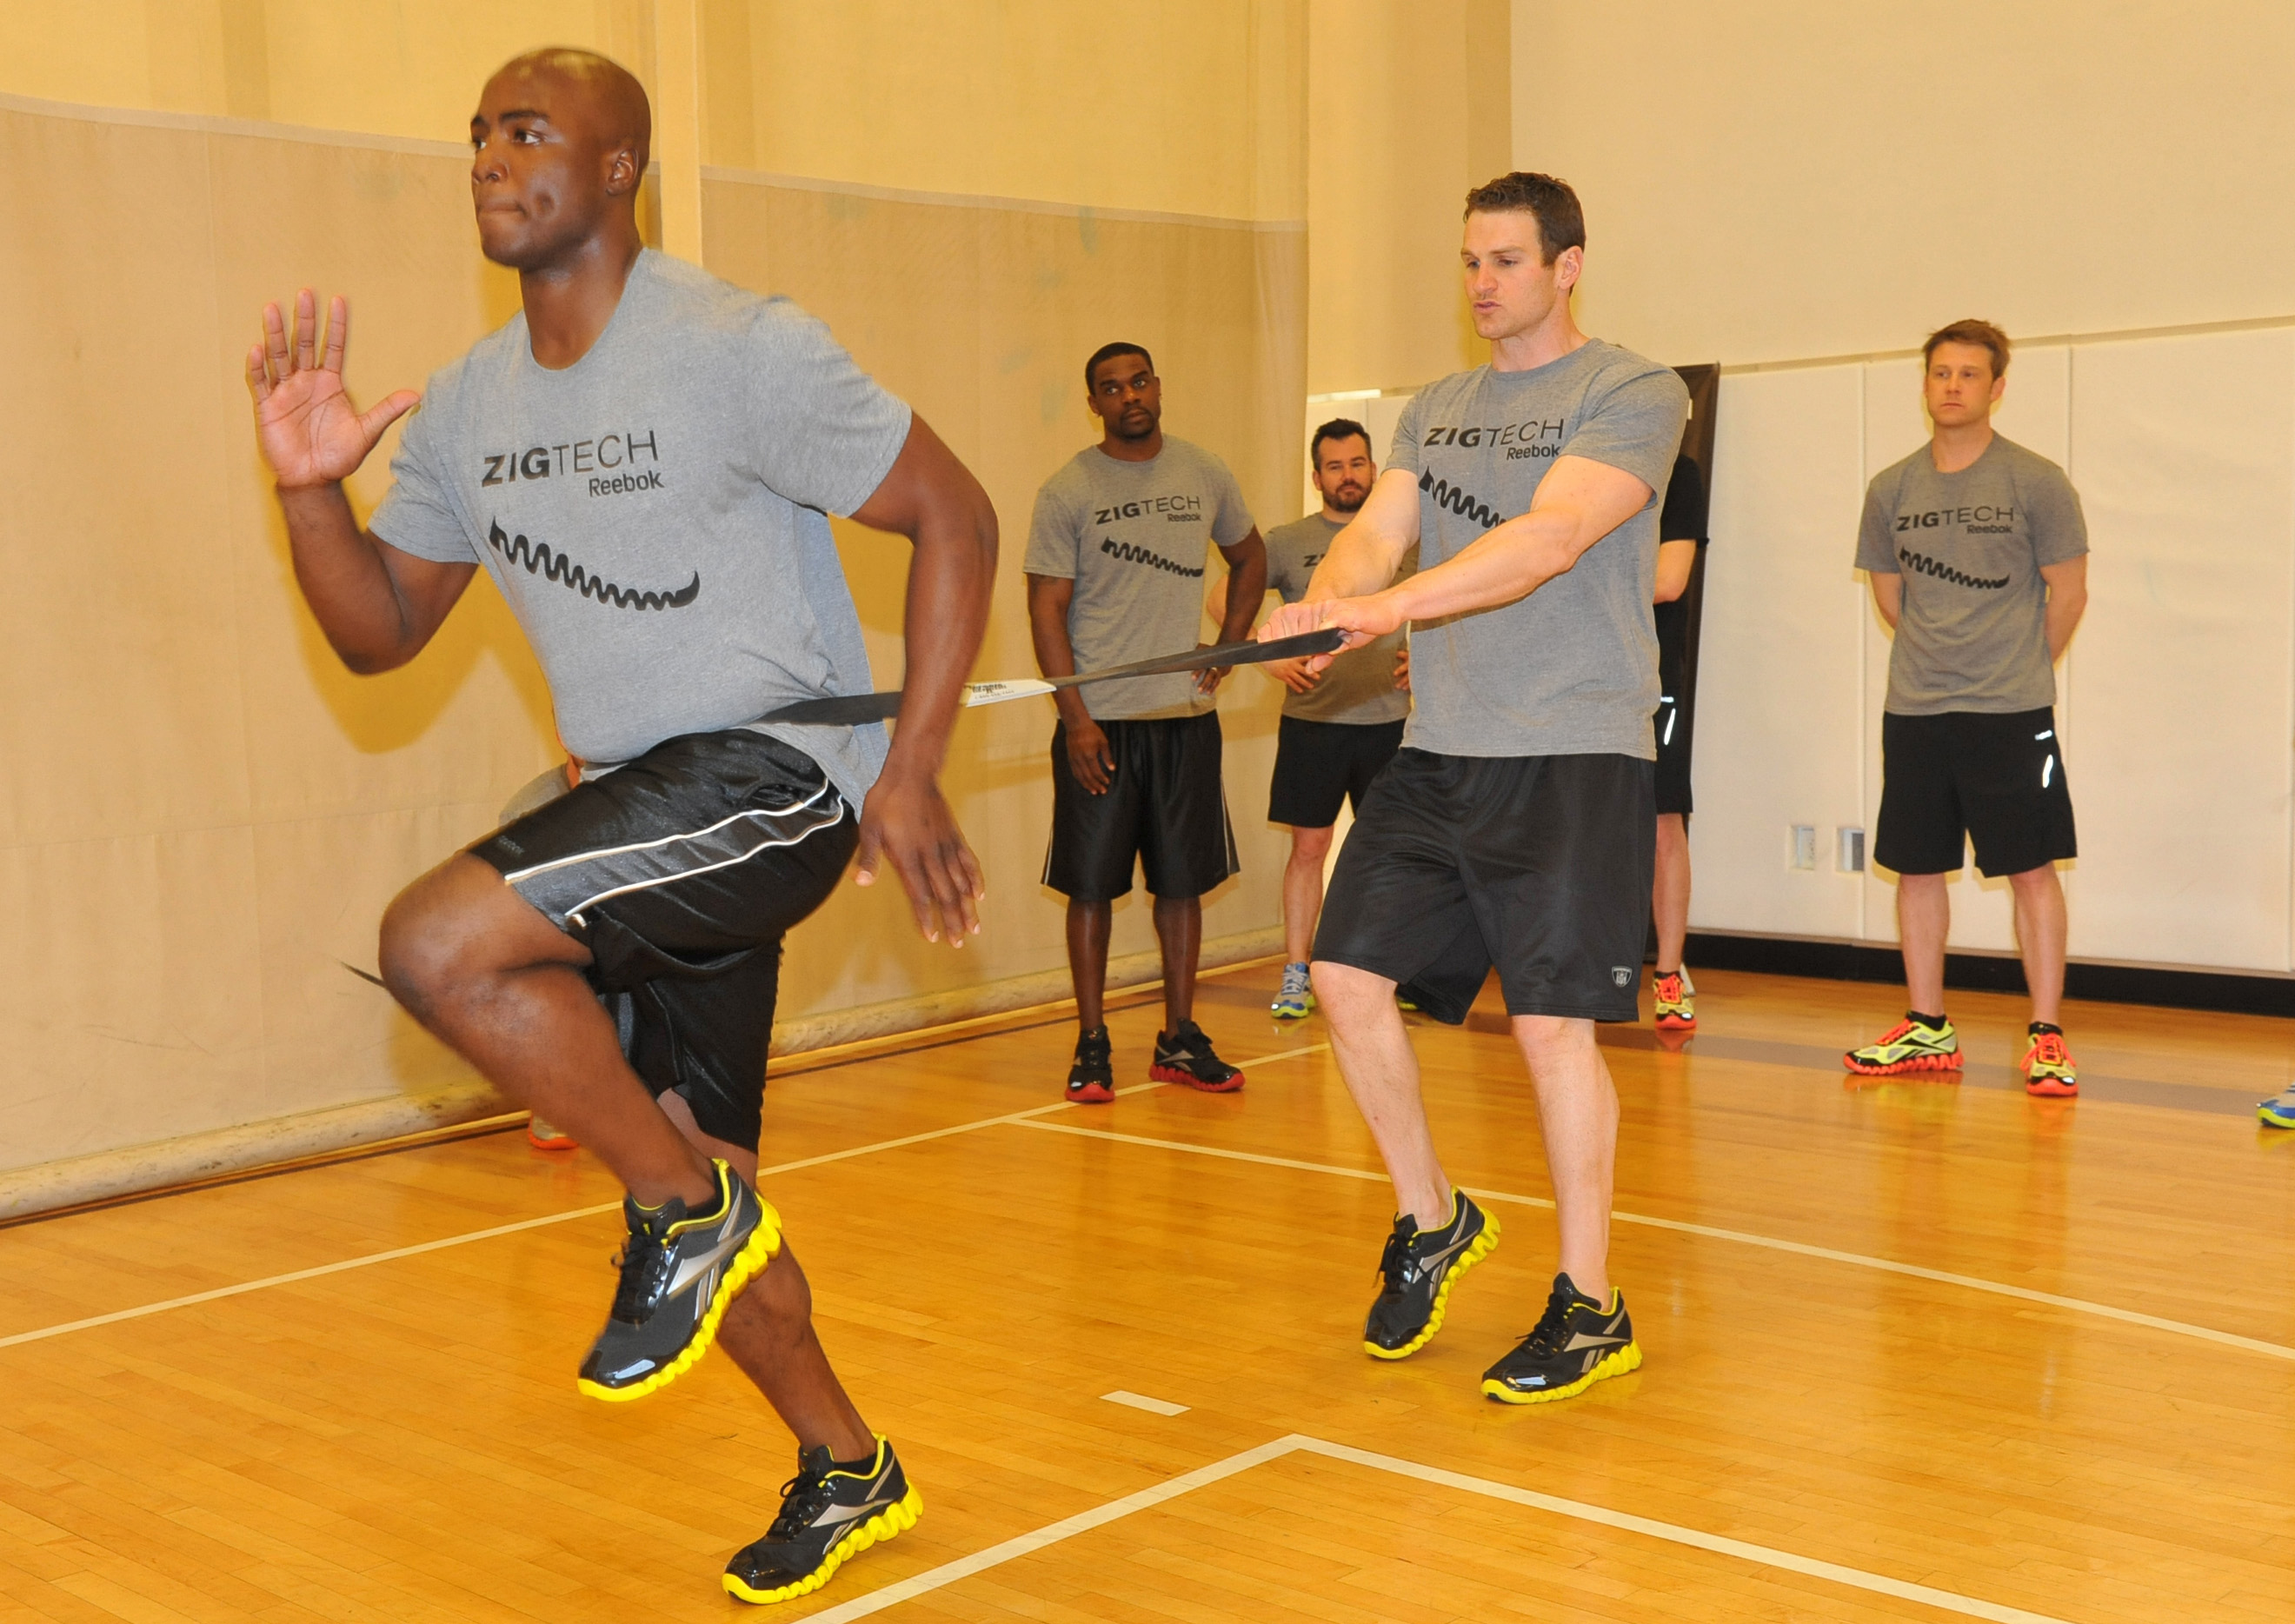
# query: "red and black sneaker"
{"points": [[1091, 1080], [1186, 1056]]}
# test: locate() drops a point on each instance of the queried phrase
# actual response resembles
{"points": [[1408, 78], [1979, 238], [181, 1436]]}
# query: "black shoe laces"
{"points": [[804, 1498], [644, 1260], [1396, 1264], [1545, 1339]]}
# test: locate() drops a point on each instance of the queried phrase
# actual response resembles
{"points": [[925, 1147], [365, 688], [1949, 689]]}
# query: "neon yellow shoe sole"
{"points": [[896, 1519], [1482, 1246], [1625, 1360], [764, 1244]]}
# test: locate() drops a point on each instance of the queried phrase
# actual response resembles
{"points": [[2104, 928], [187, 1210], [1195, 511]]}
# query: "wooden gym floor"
{"points": [[1915, 1351]]}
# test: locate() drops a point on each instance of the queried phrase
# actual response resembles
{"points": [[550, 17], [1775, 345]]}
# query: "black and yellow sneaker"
{"points": [[1416, 1271], [679, 1271], [1577, 1343], [1185, 1057], [831, 1511], [1091, 1080]]}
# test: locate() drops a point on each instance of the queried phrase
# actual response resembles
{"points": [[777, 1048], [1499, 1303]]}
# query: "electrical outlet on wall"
{"points": [[1804, 845], [1849, 856]]}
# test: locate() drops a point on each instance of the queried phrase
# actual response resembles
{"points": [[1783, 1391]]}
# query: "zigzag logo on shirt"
{"points": [[1447, 495], [1922, 564], [539, 559], [1129, 554]]}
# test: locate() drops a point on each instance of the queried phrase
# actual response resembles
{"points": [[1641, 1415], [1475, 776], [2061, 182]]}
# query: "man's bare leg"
{"points": [[1923, 920], [1089, 926], [494, 979], [1180, 936], [1577, 1116], [1373, 1050], [1302, 890], [1670, 896], [2040, 932]]}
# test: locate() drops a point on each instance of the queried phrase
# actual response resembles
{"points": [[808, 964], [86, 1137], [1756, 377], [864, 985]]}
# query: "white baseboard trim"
{"points": [[137, 1169]]}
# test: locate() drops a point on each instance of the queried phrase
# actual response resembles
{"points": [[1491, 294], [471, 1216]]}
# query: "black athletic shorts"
{"points": [[1996, 781], [679, 872], [1672, 726], [1538, 864], [1319, 764], [1164, 806]]}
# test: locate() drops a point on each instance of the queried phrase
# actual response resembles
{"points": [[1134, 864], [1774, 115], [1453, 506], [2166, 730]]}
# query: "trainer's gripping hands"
{"points": [[906, 822], [305, 424], [1363, 620]]}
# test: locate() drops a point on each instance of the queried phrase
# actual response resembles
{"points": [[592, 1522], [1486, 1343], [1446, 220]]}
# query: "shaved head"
{"points": [[608, 94], [560, 144]]}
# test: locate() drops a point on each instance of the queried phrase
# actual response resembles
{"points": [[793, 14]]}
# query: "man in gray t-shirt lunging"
{"points": [[1117, 548], [1978, 556], [1515, 828], [642, 459]]}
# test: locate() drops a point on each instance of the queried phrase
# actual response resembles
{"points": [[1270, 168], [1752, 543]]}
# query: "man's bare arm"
{"points": [[1363, 557], [1889, 595], [376, 606], [1578, 504], [1089, 762], [2066, 601], [1675, 560], [932, 498], [1246, 577]]}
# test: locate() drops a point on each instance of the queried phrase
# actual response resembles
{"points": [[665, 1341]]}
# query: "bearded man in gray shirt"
{"points": [[1516, 828], [644, 458], [1978, 555], [1117, 548]]}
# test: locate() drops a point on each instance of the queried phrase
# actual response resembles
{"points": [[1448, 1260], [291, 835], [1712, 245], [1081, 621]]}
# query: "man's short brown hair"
{"points": [[1561, 222], [1983, 335]]}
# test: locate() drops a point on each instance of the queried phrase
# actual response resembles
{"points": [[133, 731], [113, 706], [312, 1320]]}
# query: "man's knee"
{"points": [[1542, 1038], [442, 931], [1311, 844], [2040, 880], [1348, 995]]}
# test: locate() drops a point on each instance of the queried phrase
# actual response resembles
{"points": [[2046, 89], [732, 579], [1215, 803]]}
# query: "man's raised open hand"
{"points": [[305, 423]]}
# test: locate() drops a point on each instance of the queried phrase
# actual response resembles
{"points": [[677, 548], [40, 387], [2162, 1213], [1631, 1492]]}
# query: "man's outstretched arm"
{"points": [[1579, 503], [377, 606], [932, 499]]}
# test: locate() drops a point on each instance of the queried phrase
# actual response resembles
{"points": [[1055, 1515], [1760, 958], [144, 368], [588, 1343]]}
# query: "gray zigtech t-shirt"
{"points": [[1973, 635], [655, 514], [1572, 669], [1136, 539], [1358, 687]]}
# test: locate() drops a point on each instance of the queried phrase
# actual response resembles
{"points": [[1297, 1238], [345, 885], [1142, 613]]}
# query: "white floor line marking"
{"points": [[1880, 1583], [1139, 1400], [995, 1556], [2080, 1305], [395, 1253], [1021, 1118]]}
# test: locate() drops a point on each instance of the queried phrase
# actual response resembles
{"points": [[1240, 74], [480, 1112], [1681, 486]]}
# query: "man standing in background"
{"points": [[1978, 555], [1680, 530], [1116, 554], [1342, 725]]}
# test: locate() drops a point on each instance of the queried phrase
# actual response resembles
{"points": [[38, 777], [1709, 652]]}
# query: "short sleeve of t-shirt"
{"points": [[826, 433], [1403, 454], [1876, 553], [417, 515], [1230, 520], [2059, 527], [1626, 429], [1053, 534]]}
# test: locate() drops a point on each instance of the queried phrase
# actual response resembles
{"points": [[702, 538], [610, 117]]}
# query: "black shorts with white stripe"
{"points": [[680, 871]]}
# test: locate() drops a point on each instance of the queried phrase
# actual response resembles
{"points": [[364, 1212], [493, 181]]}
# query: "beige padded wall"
{"points": [[202, 814]]}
